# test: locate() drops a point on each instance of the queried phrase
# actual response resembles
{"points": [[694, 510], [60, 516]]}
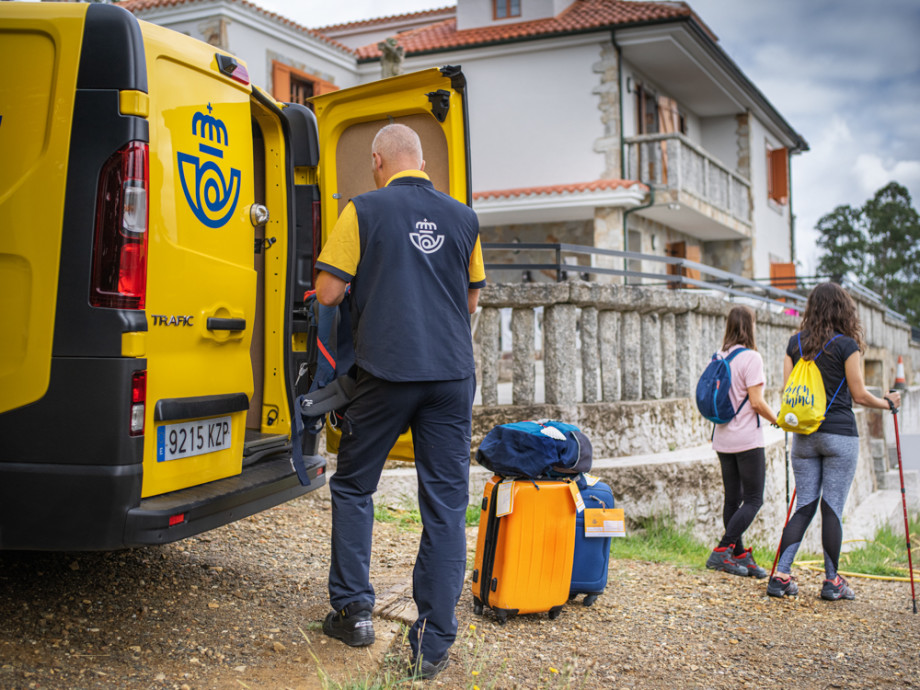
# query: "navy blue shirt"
{"points": [[839, 418]]}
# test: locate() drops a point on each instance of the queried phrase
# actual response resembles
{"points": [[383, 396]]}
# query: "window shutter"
{"points": [[778, 175]]}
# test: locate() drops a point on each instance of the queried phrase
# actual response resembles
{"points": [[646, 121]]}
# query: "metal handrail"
{"points": [[729, 282]]}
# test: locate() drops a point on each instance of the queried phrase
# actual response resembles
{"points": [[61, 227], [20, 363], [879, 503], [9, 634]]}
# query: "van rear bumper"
{"points": [[258, 487], [53, 507]]}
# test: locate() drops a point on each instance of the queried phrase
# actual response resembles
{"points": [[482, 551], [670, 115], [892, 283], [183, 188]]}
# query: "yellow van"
{"points": [[159, 221]]}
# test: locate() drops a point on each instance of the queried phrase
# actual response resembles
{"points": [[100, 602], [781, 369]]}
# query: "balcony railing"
{"points": [[672, 161]]}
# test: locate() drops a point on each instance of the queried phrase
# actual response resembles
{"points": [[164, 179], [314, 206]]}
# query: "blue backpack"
{"points": [[713, 388]]}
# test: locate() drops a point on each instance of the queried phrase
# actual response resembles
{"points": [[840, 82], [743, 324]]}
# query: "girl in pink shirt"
{"points": [[739, 444]]}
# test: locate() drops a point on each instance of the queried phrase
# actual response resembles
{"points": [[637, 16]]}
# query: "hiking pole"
{"points": [[897, 438], [779, 546], [786, 451]]}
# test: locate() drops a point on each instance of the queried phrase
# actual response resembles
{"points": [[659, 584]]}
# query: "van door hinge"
{"points": [[440, 104]]}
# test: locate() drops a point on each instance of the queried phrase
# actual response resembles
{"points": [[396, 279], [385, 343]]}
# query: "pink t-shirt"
{"points": [[742, 432]]}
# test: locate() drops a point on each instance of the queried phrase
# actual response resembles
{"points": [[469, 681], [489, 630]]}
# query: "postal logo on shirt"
{"points": [[424, 237]]}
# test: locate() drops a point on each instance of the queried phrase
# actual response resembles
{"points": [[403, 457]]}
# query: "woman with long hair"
{"points": [[739, 445], [824, 462]]}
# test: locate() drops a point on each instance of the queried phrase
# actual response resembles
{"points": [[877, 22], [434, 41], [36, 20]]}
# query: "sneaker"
{"points": [[426, 669], [722, 559], [782, 588], [835, 589], [747, 560], [353, 627]]}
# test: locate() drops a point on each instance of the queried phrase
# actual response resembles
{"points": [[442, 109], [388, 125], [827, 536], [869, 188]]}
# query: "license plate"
{"points": [[187, 439]]}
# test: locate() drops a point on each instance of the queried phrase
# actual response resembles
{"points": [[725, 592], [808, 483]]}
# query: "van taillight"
{"points": [[138, 400], [120, 248]]}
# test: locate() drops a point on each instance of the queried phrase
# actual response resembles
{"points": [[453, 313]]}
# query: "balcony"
{"points": [[694, 192]]}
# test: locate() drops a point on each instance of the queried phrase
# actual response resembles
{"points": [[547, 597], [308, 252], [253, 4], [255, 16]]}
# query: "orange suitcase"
{"points": [[524, 558]]}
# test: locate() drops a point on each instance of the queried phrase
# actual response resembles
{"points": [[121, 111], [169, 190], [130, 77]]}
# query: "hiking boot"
{"points": [[426, 669], [782, 588], [352, 625], [835, 589], [747, 560], [722, 559]]}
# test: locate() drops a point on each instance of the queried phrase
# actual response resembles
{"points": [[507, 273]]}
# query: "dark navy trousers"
{"points": [[440, 416]]}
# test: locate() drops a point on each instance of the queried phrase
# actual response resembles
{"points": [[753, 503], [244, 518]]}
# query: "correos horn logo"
{"points": [[424, 238], [212, 196]]}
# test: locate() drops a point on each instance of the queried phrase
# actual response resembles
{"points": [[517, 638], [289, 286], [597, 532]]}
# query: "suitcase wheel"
{"points": [[502, 616], [554, 612], [477, 606], [590, 599]]}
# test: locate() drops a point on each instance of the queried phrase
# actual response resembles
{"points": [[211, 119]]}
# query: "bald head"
{"points": [[395, 148]]}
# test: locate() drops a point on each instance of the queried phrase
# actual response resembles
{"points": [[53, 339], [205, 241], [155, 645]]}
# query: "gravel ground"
{"points": [[240, 607]]}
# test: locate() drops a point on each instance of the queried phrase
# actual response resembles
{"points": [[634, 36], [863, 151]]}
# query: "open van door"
{"points": [[433, 103]]}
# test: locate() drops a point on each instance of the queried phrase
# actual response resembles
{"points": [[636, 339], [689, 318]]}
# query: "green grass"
{"points": [[409, 516], [886, 555], [659, 540]]}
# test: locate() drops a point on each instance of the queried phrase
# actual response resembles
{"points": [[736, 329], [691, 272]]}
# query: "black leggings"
{"points": [[743, 476]]}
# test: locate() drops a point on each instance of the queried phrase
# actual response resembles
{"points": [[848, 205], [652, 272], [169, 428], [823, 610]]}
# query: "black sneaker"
{"points": [[835, 589], [722, 559], [426, 669], [782, 588], [746, 559], [353, 627]]}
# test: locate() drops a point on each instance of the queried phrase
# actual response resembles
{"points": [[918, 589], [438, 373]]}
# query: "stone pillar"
{"points": [[608, 326], [608, 93], [669, 363], [630, 358], [490, 352], [608, 234], [522, 376], [651, 356], [687, 336], [589, 354], [559, 356]]}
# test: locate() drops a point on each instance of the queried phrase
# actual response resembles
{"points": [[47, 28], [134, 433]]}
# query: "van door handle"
{"points": [[218, 324]]}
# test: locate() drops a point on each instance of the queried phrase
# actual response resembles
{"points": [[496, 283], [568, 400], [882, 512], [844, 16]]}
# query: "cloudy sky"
{"points": [[844, 73]]}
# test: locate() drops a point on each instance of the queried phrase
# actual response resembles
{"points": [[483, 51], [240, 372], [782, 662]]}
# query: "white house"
{"points": [[611, 123]]}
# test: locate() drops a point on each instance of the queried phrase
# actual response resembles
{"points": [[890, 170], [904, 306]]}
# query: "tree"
{"points": [[878, 245]]}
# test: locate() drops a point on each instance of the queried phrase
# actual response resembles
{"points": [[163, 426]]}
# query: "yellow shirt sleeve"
{"points": [[477, 269], [342, 251]]}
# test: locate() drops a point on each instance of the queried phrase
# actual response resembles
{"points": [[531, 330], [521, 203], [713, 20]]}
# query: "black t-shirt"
{"points": [[839, 418]]}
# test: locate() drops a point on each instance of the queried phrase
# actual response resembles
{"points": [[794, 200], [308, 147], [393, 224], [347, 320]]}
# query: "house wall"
{"points": [[771, 220], [257, 41], [475, 13], [717, 136], [534, 117]]}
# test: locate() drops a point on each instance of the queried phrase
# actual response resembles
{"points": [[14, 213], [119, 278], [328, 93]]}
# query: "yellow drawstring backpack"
{"points": [[804, 400]]}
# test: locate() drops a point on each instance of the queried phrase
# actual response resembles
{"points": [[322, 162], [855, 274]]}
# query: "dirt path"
{"points": [[240, 608]]}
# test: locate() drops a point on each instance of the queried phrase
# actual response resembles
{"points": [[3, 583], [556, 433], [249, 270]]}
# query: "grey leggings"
{"points": [[824, 466]]}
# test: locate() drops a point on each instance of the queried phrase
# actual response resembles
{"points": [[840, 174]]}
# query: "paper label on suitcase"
{"points": [[504, 496], [576, 496], [590, 479], [604, 522]]}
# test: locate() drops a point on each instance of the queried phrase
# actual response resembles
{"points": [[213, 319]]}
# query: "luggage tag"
{"points": [[576, 496], [504, 498], [605, 522], [590, 479]]}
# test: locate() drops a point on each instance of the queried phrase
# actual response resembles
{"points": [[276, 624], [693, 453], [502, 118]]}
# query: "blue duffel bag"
{"points": [[535, 449]]}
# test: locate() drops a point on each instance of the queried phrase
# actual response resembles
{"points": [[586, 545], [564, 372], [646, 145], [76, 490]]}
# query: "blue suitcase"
{"points": [[592, 555]]}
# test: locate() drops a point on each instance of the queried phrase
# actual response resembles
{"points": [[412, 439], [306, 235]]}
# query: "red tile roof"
{"points": [[572, 188], [580, 16], [135, 6], [386, 20]]}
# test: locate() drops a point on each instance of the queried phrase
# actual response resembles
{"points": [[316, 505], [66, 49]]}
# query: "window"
{"points": [[503, 9], [778, 175], [290, 85]]}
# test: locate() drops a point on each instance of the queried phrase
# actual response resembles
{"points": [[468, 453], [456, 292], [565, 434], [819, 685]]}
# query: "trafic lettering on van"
{"points": [[181, 320]]}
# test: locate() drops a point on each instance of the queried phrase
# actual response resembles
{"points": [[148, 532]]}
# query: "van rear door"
{"points": [[41, 56], [433, 103], [201, 282]]}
